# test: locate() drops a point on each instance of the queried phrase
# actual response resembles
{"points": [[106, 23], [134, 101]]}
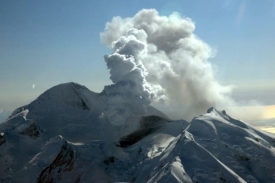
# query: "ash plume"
{"points": [[129, 94], [159, 60]]}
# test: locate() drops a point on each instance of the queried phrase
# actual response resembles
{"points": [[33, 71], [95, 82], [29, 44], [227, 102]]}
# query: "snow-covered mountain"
{"points": [[64, 136]]}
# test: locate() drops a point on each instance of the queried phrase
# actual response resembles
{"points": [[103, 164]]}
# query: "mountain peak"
{"points": [[214, 110], [67, 93], [211, 109]]}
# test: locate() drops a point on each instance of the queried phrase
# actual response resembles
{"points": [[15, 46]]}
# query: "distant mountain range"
{"points": [[64, 136]]}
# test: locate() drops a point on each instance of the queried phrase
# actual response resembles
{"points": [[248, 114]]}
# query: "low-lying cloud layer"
{"points": [[159, 60]]}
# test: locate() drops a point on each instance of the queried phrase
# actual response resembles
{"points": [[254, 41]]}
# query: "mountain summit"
{"points": [[64, 136]]}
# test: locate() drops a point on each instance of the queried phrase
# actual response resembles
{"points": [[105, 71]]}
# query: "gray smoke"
{"points": [[159, 60], [130, 94]]}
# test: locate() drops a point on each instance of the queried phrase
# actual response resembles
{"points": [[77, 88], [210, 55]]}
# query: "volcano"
{"points": [[64, 136]]}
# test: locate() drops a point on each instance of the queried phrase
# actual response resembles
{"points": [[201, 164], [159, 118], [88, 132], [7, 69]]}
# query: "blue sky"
{"points": [[44, 43]]}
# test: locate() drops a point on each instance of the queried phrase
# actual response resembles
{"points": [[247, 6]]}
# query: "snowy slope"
{"points": [[64, 136]]}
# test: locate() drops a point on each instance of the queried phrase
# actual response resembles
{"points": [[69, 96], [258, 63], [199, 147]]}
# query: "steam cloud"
{"points": [[159, 60]]}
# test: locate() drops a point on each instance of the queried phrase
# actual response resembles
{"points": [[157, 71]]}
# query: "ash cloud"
{"points": [[159, 60], [130, 93]]}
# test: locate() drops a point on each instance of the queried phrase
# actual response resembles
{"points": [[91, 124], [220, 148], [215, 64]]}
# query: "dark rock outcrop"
{"points": [[32, 131], [64, 162], [2, 139], [148, 125]]}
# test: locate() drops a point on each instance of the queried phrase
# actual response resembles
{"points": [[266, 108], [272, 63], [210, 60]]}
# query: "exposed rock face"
{"points": [[2, 139], [64, 162], [151, 121], [148, 125], [32, 131], [85, 107]]}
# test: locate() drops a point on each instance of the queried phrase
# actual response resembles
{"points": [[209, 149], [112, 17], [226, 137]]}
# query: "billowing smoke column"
{"points": [[159, 60], [130, 93]]}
